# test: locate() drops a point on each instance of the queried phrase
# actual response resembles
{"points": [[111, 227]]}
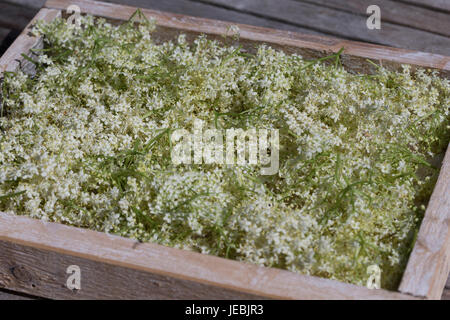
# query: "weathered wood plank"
{"points": [[213, 12], [35, 262], [341, 24], [44, 273], [36, 4], [429, 264], [443, 5], [15, 16], [310, 46], [395, 12]]}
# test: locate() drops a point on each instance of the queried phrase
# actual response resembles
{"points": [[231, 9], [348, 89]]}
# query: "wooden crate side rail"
{"points": [[429, 264], [275, 37], [183, 269]]}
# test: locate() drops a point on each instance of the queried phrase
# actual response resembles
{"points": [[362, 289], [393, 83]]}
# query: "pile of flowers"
{"points": [[86, 142]]}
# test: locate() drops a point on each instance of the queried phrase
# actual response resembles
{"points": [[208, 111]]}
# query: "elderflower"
{"points": [[86, 142]]}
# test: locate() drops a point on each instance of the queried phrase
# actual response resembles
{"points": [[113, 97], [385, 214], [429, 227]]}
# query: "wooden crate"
{"points": [[34, 255]]}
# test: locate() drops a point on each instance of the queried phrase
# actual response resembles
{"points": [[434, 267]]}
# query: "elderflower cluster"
{"points": [[86, 142]]}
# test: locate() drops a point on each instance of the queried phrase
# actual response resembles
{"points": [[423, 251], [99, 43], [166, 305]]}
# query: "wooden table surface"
{"points": [[422, 25]]}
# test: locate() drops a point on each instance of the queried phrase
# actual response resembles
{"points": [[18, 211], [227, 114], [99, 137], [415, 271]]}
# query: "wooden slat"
{"points": [[341, 24], [34, 256], [44, 273], [395, 12], [36, 4], [443, 5], [429, 264], [213, 12], [15, 16], [307, 45]]}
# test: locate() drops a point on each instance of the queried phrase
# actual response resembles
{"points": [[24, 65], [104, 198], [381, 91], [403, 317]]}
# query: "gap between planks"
{"points": [[443, 5], [395, 12], [327, 19], [205, 10]]}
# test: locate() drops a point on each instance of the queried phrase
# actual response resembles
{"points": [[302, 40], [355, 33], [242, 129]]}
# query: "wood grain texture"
{"points": [[443, 5], [341, 24], [43, 273], [396, 13], [310, 46], [35, 262], [429, 264], [199, 9], [36, 4], [11, 59]]}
